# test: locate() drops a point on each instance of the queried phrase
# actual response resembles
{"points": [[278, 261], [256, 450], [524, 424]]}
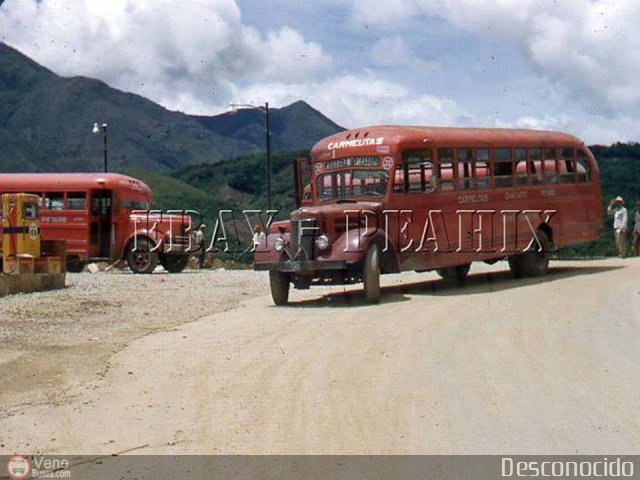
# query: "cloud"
{"points": [[186, 55], [198, 55], [591, 48], [392, 51], [363, 99]]}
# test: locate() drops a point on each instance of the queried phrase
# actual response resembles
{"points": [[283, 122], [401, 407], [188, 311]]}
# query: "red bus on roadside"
{"points": [[101, 216], [387, 199]]}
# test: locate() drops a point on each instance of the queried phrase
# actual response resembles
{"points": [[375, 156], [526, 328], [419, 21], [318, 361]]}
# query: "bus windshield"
{"points": [[352, 183]]}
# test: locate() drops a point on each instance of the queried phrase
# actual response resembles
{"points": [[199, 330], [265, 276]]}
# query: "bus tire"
{"points": [[175, 263], [514, 266], [371, 274], [280, 284], [456, 274], [141, 258], [534, 262]]}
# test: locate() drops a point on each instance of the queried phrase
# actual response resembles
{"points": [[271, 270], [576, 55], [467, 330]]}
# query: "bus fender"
{"points": [[546, 228], [358, 244], [143, 234]]}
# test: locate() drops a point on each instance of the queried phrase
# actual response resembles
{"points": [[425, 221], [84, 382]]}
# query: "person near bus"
{"points": [[617, 210], [258, 237], [635, 245], [200, 243]]}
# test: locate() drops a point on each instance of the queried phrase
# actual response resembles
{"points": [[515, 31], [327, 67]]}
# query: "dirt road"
{"points": [[544, 365]]}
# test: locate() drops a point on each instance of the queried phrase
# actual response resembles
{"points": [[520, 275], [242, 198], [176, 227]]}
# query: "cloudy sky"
{"points": [[570, 65]]}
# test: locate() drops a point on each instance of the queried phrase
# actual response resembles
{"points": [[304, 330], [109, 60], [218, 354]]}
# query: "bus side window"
{"points": [[522, 170], [535, 165], [76, 201], [445, 169], [466, 169], [416, 174], [420, 176], [482, 168], [54, 201], [503, 167], [582, 167], [550, 166], [567, 165]]}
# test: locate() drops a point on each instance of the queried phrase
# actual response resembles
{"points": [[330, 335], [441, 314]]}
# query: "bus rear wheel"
{"points": [[74, 265], [535, 261], [175, 263], [456, 274], [141, 258], [280, 284], [371, 274]]}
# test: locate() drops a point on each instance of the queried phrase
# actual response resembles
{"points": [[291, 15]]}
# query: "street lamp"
{"points": [[102, 128], [265, 110]]}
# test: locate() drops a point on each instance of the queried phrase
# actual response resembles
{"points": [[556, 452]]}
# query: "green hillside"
{"points": [[46, 122], [242, 182]]}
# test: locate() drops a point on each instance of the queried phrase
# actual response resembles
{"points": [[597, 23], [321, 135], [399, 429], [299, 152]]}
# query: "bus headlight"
{"points": [[322, 242], [278, 244]]}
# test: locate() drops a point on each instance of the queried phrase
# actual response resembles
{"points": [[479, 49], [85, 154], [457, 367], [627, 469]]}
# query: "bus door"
{"points": [[101, 223], [304, 187]]}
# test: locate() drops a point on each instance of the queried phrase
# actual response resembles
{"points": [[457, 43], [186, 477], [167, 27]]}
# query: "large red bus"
{"points": [[101, 216], [387, 199]]}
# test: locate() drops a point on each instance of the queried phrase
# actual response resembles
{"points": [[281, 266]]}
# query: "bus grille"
{"points": [[303, 236]]}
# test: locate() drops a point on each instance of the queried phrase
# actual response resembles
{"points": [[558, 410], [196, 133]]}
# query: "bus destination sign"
{"points": [[367, 162]]}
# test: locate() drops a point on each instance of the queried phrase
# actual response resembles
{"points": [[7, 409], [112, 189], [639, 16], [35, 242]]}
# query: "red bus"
{"points": [[387, 199], [101, 216]]}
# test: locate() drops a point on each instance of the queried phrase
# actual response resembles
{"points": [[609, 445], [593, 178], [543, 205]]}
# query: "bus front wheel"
{"points": [[371, 274], [141, 258], [280, 285], [175, 263]]}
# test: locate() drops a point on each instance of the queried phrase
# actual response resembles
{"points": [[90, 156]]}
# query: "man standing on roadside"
{"points": [[635, 244], [617, 210], [202, 250], [258, 237]]}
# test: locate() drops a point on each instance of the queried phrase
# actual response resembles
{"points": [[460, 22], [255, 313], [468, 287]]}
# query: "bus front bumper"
{"points": [[302, 266]]}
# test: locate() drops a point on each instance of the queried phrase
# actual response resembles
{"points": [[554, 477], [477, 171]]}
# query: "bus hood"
{"points": [[334, 210]]}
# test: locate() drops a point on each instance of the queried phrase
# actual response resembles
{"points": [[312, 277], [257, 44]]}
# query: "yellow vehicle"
{"points": [[20, 232]]}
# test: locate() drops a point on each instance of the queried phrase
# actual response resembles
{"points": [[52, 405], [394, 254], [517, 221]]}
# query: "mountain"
{"points": [[298, 126], [46, 122]]}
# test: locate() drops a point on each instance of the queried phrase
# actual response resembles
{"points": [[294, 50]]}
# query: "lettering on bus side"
{"points": [[53, 219], [473, 198], [516, 195]]}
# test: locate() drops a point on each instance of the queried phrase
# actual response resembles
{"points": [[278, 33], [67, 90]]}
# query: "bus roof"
{"points": [[384, 137], [42, 182]]}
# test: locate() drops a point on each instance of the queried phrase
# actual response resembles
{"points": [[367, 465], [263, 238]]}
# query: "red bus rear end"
{"points": [[93, 214]]}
